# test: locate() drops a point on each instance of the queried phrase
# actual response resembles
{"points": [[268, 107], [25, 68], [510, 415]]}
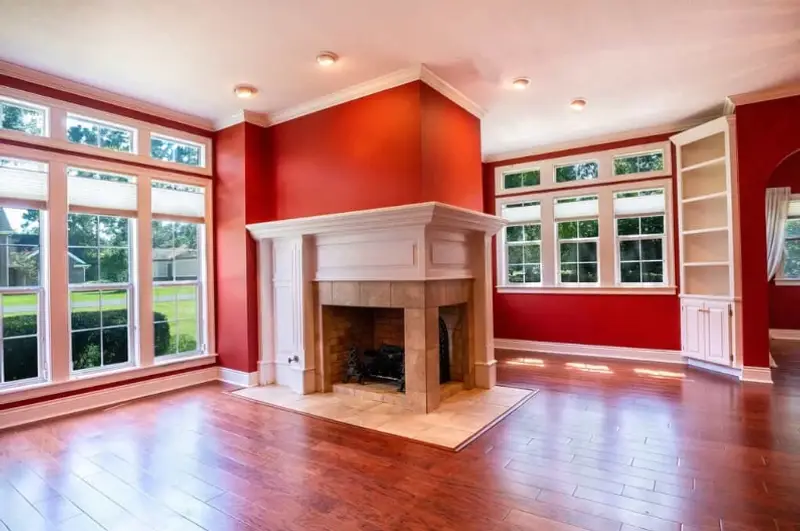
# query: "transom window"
{"points": [[173, 150], [100, 134], [521, 179], [639, 162], [577, 172], [24, 117]]}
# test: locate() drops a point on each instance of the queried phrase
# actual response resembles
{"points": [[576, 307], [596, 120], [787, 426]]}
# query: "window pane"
{"points": [[639, 163], [113, 265], [99, 134], [576, 172], [567, 230], [569, 252], [653, 272], [187, 336], [115, 308], [512, 180], [115, 345], [163, 234], [587, 252], [85, 349], [20, 358], [630, 272], [516, 273], [652, 249], [20, 313], [569, 272], [793, 228], [164, 342], [653, 225], [84, 265], [17, 116], [82, 230], [19, 247], [164, 303], [533, 273], [588, 229], [162, 148], [791, 265], [533, 232], [85, 309], [629, 251], [113, 231], [514, 234], [186, 265], [587, 272], [515, 254], [186, 235], [520, 179], [532, 254], [627, 226]]}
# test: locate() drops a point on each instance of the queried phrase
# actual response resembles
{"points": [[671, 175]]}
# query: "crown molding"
{"points": [[252, 117], [450, 92], [597, 140], [772, 93], [728, 107], [80, 89]]}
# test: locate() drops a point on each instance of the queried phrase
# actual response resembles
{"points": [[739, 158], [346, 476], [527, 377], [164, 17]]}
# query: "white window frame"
{"points": [[638, 237], [56, 301], [546, 164], [780, 278], [578, 241], [56, 125], [20, 103], [41, 298], [508, 244], [607, 243]]}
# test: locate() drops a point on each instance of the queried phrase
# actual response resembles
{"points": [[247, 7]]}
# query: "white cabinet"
{"points": [[706, 326]]}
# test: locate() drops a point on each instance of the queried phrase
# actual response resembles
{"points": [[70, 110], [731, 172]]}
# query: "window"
{"points": [[791, 259], [577, 239], [173, 150], [521, 179], [577, 172], [100, 134], [20, 295], [176, 290], [639, 163], [524, 253], [19, 116], [641, 237]]}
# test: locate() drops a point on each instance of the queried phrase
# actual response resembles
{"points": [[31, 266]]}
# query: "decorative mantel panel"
{"points": [[425, 242]]}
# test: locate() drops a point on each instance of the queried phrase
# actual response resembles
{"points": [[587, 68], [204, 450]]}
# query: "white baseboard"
{"points": [[240, 378], [18, 416], [736, 372], [296, 378], [786, 334], [596, 351], [756, 374]]}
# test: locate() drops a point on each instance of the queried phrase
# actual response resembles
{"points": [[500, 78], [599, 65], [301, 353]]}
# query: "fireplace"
{"points": [[413, 278]]}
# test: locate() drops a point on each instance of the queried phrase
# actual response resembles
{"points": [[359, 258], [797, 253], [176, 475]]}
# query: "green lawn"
{"points": [[184, 308]]}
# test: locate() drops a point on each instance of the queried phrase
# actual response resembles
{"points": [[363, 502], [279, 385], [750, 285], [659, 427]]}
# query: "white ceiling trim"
{"points": [[772, 93], [87, 91], [597, 140], [257, 118], [450, 92]]}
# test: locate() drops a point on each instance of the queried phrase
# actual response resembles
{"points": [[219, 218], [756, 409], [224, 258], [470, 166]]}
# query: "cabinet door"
{"points": [[718, 320], [693, 327]]}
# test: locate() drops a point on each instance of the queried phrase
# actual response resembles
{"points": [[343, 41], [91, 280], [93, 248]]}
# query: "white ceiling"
{"points": [[640, 63]]}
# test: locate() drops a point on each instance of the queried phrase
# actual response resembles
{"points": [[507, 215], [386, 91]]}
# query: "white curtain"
{"points": [[777, 212]]}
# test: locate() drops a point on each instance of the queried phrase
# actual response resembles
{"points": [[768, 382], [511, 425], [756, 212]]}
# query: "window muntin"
{"points": [[178, 151], [24, 117], [791, 259], [521, 179], [20, 296], [524, 253], [104, 135], [177, 290], [577, 171], [577, 246], [639, 162], [99, 259]]}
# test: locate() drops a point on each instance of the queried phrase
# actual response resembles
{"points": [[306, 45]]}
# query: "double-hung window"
{"points": [[23, 200], [523, 238], [577, 230], [641, 237], [791, 258], [100, 258], [178, 233]]}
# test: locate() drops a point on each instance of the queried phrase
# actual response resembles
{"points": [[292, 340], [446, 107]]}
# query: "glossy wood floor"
{"points": [[604, 446]]}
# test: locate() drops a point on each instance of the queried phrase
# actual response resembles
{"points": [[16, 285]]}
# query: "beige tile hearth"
{"points": [[458, 419]]}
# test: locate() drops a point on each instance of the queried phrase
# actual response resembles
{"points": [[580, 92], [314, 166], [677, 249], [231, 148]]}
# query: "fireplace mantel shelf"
{"points": [[420, 214]]}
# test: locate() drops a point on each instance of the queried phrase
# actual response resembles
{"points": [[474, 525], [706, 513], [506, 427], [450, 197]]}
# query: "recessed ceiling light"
{"points": [[578, 104], [327, 58], [245, 91], [521, 83]]}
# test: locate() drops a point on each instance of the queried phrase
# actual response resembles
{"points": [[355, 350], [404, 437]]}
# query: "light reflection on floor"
{"points": [[586, 367]]}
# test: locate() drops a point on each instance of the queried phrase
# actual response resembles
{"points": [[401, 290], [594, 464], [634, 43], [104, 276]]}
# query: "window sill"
{"points": [[584, 290], [96, 379], [787, 281]]}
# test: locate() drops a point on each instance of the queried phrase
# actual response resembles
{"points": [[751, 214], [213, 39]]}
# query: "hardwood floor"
{"points": [[604, 446]]}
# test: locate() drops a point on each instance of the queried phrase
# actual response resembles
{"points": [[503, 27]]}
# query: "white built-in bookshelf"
{"points": [[708, 224]]}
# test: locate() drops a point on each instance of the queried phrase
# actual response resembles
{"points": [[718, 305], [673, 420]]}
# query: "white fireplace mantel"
{"points": [[419, 242]]}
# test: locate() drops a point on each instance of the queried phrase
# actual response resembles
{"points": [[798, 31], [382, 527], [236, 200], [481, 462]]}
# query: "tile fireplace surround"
{"points": [[414, 263]]}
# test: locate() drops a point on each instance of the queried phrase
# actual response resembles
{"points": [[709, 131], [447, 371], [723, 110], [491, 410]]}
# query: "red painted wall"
{"points": [[451, 152], [784, 301], [767, 133], [642, 321]]}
